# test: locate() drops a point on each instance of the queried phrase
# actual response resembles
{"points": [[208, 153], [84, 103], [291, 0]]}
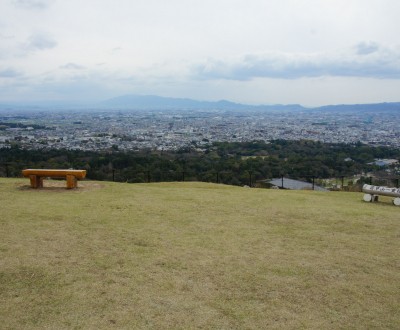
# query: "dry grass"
{"points": [[196, 255]]}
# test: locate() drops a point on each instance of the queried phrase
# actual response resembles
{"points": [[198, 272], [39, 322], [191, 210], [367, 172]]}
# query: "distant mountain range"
{"points": [[159, 102], [153, 102], [394, 106]]}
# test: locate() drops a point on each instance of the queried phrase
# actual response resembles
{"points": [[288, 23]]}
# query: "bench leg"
{"points": [[36, 181], [72, 182]]}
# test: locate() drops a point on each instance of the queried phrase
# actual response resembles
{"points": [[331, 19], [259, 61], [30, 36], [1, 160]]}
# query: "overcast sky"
{"points": [[312, 52]]}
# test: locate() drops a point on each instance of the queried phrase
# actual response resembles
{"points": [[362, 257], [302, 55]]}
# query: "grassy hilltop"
{"points": [[195, 255]]}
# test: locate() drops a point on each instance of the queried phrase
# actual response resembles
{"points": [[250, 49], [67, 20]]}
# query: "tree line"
{"points": [[235, 163]]}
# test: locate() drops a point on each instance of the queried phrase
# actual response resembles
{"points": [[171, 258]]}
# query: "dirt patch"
{"points": [[60, 186]]}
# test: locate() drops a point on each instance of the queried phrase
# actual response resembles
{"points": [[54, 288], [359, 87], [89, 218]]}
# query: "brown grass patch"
{"points": [[196, 255]]}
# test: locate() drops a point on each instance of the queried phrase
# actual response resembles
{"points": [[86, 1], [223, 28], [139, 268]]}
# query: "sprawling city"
{"points": [[96, 130]]}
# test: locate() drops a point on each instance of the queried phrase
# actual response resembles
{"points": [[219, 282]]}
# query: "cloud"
{"points": [[6, 36], [72, 66], [9, 73], [365, 60], [365, 48], [33, 4], [40, 41]]}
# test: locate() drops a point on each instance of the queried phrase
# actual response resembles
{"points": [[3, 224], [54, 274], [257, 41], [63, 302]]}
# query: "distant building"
{"points": [[384, 162]]}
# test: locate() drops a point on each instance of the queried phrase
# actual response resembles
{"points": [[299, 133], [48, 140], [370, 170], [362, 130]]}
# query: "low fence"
{"points": [[239, 178]]}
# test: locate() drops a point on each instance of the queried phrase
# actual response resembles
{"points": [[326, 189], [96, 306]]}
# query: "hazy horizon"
{"points": [[252, 52], [82, 104]]}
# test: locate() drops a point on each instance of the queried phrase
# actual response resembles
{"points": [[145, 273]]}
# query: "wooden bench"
{"points": [[37, 175]]}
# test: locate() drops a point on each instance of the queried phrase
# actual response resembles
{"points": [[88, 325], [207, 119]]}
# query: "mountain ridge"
{"points": [[155, 102], [159, 102]]}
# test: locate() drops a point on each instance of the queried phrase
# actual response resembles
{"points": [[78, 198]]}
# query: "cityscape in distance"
{"points": [[151, 122]]}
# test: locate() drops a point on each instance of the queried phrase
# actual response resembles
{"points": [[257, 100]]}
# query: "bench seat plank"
{"points": [[79, 174]]}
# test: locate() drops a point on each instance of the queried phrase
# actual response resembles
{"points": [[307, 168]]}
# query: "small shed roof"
{"points": [[294, 184], [384, 162]]}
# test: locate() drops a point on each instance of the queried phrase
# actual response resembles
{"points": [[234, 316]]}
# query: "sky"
{"points": [[309, 52]]}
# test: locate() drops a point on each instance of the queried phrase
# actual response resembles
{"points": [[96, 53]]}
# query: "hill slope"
{"points": [[191, 255], [163, 103]]}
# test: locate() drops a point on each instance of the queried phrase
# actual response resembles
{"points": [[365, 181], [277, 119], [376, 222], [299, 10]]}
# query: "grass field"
{"points": [[195, 255]]}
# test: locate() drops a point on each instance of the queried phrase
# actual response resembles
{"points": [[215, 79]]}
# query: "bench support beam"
{"points": [[36, 181], [72, 182]]}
